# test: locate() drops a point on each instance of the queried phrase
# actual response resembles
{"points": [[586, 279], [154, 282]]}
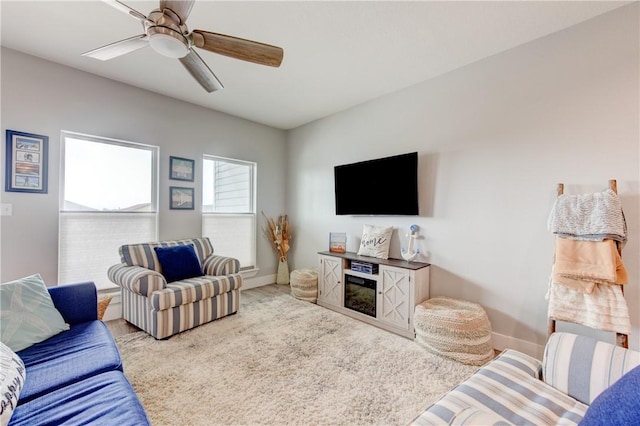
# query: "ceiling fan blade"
{"points": [[246, 50], [118, 48], [182, 8], [126, 9], [201, 72]]}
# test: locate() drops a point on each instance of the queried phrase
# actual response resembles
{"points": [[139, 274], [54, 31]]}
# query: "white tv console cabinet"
{"points": [[398, 285]]}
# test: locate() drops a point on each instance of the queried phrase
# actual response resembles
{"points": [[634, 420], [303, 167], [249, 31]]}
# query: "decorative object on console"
{"points": [[338, 242], [375, 241], [26, 162], [181, 169], [278, 233], [410, 253], [28, 313]]}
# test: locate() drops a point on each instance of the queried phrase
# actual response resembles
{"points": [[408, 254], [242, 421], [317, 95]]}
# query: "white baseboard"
{"points": [[502, 342], [258, 281]]}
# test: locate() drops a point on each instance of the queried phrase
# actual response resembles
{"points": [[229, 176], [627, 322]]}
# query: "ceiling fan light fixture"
{"points": [[168, 42], [165, 30]]}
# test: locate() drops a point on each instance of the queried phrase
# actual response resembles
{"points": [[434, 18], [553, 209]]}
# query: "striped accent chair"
{"points": [[163, 309], [517, 389]]}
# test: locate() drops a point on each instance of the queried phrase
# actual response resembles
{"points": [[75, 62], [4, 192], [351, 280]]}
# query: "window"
{"points": [[228, 208], [108, 198]]}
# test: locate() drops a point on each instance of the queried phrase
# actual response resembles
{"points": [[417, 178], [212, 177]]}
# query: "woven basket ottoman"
{"points": [[304, 284], [453, 328]]}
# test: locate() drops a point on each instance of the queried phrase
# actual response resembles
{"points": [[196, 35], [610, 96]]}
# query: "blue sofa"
{"points": [[76, 377]]}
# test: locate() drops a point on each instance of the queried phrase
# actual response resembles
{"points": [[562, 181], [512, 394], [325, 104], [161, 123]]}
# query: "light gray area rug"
{"points": [[282, 361]]}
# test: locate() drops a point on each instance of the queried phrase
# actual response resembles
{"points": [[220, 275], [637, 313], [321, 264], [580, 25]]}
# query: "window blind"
{"points": [[89, 242], [232, 235]]}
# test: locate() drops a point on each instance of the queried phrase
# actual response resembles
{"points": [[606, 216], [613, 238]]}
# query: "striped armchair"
{"points": [[515, 388], [163, 308]]}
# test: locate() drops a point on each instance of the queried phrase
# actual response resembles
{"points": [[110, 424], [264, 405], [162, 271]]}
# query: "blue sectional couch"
{"points": [[76, 377]]}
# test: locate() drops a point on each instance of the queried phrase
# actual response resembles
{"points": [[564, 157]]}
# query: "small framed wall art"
{"points": [[181, 198], [26, 162], [181, 169]]}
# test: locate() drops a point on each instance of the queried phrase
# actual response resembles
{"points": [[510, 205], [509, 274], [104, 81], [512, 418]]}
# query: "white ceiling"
{"points": [[336, 54]]}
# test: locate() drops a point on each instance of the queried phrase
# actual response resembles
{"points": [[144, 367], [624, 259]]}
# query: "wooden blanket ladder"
{"points": [[621, 339]]}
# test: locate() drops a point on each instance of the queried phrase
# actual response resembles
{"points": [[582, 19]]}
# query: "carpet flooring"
{"points": [[282, 361]]}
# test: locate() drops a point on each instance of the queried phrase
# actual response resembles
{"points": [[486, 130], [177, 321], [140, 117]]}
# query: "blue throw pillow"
{"points": [[618, 405], [179, 262]]}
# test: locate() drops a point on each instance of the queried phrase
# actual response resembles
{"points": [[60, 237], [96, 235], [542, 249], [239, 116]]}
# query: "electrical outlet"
{"points": [[6, 209]]}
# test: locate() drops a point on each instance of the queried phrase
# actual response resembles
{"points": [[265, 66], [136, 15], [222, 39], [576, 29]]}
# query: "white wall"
{"points": [[494, 138], [42, 97]]}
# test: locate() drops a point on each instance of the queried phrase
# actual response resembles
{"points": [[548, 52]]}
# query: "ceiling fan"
{"points": [[165, 30]]}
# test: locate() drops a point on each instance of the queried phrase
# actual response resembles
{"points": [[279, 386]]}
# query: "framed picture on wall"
{"points": [[181, 169], [181, 198], [26, 162]]}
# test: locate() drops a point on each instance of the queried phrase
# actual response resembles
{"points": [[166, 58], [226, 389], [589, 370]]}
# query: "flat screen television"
{"points": [[384, 186]]}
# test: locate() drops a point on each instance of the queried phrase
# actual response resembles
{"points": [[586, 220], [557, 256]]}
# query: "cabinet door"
{"points": [[330, 280], [394, 296]]}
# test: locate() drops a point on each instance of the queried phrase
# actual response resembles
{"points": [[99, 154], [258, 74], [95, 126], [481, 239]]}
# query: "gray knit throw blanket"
{"points": [[592, 217]]}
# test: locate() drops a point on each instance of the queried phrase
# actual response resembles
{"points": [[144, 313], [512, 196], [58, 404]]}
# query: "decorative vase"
{"points": [[283, 273]]}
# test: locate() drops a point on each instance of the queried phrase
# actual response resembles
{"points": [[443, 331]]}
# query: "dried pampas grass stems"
{"points": [[278, 233]]}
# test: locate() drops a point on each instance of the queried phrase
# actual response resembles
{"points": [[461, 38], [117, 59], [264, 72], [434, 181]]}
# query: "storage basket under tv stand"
{"points": [[400, 286]]}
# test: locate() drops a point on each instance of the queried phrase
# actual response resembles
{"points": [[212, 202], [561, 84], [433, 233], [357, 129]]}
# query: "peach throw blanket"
{"points": [[580, 265]]}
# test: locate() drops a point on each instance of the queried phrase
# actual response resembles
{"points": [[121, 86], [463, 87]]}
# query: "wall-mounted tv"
{"points": [[384, 186]]}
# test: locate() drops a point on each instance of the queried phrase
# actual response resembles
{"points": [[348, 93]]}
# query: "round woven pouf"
{"points": [[304, 284], [453, 328]]}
